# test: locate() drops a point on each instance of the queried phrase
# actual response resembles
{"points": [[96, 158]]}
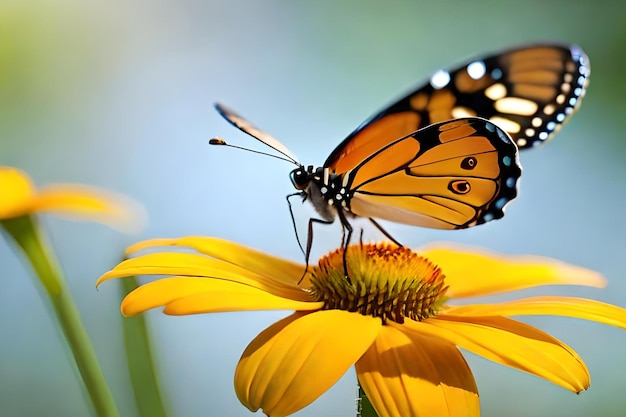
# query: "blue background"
{"points": [[119, 94]]}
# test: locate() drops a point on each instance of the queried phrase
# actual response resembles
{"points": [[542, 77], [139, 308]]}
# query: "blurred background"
{"points": [[119, 94]]}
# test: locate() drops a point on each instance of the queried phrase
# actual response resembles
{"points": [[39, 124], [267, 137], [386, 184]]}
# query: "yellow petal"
{"points": [[243, 256], [90, 203], [17, 191], [297, 359], [188, 295], [411, 375], [19, 197], [173, 263], [581, 308], [471, 272], [193, 264], [513, 344]]}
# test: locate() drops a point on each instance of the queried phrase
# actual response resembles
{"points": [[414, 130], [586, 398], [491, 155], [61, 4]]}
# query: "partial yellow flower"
{"points": [[394, 319], [20, 202], [19, 197]]}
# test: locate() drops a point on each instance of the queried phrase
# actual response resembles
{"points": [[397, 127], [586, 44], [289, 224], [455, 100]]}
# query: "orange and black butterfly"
{"points": [[446, 155]]}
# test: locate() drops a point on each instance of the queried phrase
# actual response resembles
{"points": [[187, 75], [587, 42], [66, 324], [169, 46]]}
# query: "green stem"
{"points": [[140, 361], [30, 238], [365, 408]]}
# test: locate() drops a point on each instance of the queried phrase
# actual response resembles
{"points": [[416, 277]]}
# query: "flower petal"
{"points": [[513, 344], [240, 255], [20, 198], [297, 359], [470, 272], [581, 308], [185, 295], [193, 264], [17, 191], [90, 203], [409, 374]]}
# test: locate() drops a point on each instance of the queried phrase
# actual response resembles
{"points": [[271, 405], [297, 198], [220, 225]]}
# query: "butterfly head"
{"points": [[302, 176]]}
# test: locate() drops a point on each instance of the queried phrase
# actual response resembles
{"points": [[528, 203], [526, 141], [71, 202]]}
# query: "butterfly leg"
{"points": [[293, 222], [384, 232], [309, 243], [345, 240]]}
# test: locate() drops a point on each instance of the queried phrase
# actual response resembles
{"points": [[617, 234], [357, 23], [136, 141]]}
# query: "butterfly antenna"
{"points": [[220, 141]]}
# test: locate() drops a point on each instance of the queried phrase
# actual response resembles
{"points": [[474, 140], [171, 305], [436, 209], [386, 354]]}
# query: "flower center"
{"points": [[386, 281]]}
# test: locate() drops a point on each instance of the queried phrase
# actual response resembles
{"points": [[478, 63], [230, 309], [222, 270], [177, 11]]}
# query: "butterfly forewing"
{"points": [[449, 175], [247, 127], [529, 92]]}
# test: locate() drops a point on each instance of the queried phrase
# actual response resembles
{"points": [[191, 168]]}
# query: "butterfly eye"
{"points": [[459, 187], [299, 178], [469, 163]]}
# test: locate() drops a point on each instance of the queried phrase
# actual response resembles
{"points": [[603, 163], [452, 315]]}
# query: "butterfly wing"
{"points": [[529, 92], [449, 175], [247, 127]]}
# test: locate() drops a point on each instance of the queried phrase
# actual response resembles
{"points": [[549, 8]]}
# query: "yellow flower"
{"points": [[19, 197], [20, 202], [394, 320]]}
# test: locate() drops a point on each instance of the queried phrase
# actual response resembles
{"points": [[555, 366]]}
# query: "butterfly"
{"points": [[445, 156]]}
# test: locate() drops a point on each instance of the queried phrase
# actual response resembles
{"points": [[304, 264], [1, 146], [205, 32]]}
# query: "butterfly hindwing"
{"points": [[449, 175], [529, 92]]}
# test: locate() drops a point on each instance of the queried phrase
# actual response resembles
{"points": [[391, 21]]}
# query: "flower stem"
{"points": [[365, 408], [140, 360], [30, 238]]}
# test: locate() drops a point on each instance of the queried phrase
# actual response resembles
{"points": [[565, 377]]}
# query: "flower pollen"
{"points": [[386, 281]]}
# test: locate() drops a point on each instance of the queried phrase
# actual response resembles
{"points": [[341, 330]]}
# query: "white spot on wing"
{"points": [[476, 70], [440, 79], [516, 105], [459, 112], [506, 124], [496, 91]]}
